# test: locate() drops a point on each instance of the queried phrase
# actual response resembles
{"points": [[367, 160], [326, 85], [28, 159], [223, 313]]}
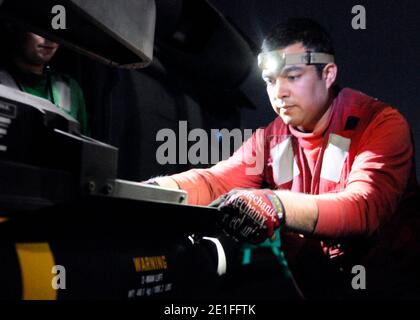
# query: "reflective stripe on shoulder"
{"points": [[284, 163], [335, 157]]}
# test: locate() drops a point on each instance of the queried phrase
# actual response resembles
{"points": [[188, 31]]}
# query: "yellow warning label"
{"points": [[142, 264]]}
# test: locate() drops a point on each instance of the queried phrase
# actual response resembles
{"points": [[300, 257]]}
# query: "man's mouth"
{"points": [[283, 107], [287, 106], [283, 104]]}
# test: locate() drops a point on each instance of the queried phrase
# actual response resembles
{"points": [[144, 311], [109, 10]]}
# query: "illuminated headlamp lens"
{"points": [[274, 61]]}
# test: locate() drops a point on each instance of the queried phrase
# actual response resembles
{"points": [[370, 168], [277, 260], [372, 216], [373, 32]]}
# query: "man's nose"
{"points": [[281, 88]]}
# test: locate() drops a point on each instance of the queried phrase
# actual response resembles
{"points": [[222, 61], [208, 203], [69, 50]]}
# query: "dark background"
{"points": [[127, 108]]}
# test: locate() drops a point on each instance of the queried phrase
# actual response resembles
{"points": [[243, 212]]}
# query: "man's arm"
{"points": [[375, 184], [244, 169], [301, 211]]}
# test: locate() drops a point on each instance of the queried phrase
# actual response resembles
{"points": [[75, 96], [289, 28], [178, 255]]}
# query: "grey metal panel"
{"points": [[140, 191], [131, 22]]}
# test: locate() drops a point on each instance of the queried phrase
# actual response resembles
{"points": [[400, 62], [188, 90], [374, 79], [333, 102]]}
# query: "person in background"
{"points": [[27, 69]]}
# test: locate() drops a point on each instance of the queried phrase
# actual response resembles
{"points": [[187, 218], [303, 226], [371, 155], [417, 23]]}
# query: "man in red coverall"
{"points": [[337, 166]]}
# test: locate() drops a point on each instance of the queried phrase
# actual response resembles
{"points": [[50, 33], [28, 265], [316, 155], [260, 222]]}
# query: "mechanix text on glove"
{"points": [[250, 215]]}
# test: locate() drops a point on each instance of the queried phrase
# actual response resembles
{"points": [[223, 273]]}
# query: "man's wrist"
{"points": [[278, 205], [301, 210]]}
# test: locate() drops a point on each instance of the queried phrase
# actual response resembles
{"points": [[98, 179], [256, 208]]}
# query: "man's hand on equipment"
{"points": [[250, 215]]}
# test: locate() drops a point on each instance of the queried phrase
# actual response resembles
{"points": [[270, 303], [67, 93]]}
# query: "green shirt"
{"points": [[68, 95]]}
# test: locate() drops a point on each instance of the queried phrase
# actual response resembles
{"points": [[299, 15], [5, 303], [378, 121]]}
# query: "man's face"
{"points": [[37, 50], [298, 94]]}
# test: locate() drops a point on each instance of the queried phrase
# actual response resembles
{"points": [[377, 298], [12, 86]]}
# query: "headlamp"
{"points": [[274, 61]]}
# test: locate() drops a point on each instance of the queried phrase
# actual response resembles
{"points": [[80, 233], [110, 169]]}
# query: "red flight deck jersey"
{"points": [[359, 166]]}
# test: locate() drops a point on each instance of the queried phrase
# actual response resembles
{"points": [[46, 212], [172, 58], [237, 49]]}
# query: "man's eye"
{"points": [[293, 77], [269, 81]]}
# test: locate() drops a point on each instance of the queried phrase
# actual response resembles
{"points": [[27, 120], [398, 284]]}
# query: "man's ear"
{"points": [[329, 74]]}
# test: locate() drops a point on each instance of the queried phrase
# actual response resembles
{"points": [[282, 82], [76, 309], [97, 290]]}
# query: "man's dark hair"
{"points": [[312, 35]]}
